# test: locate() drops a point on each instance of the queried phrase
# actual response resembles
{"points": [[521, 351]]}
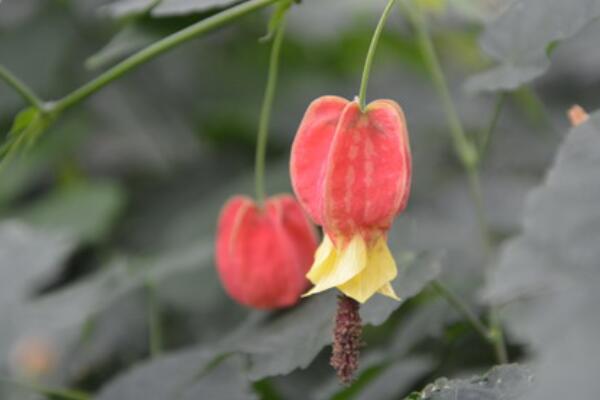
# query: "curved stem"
{"points": [[362, 94], [155, 49], [487, 133], [497, 336], [465, 151], [477, 197], [25, 91], [462, 308], [154, 319], [265, 112]]}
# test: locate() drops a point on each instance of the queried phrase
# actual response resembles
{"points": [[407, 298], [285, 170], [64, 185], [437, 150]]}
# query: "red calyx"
{"points": [[263, 255], [351, 168]]}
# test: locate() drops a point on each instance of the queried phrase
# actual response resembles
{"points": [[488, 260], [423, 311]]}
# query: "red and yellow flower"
{"points": [[351, 171]]}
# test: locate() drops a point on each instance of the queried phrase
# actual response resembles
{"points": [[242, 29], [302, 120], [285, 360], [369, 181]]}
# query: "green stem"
{"points": [[462, 308], [154, 320], [477, 197], [497, 336], [465, 151], [155, 49], [487, 133], [20, 87], [265, 112], [362, 94]]}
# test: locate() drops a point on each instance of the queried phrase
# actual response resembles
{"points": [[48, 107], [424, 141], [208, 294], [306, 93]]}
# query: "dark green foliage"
{"points": [[553, 267], [122, 193]]}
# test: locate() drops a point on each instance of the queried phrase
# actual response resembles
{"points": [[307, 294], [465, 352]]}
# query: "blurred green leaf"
{"points": [[48, 392], [520, 39], [28, 258], [280, 344], [414, 273], [84, 211], [292, 340], [476, 10], [164, 8], [554, 265], [435, 6], [27, 128], [296, 338], [422, 323], [130, 39], [128, 8], [168, 8], [505, 382], [55, 320], [48, 36], [180, 376], [24, 174], [379, 379], [114, 300], [395, 380]]}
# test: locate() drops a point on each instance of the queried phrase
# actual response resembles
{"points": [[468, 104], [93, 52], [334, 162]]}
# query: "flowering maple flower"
{"points": [[351, 171], [263, 255], [577, 115]]}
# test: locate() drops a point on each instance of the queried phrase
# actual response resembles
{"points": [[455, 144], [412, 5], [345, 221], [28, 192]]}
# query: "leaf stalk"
{"points": [[267, 105], [362, 94], [466, 152]]}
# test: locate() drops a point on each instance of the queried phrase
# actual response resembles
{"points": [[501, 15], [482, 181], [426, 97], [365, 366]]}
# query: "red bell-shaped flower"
{"points": [[351, 171], [263, 254]]}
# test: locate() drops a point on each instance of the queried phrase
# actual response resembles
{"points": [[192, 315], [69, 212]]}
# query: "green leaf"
{"points": [[128, 8], [291, 341], [49, 36], [519, 39], [111, 305], [28, 258], [180, 376], [415, 272], [433, 6], [24, 173], [164, 8], [505, 382], [396, 379], [275, 346], [294, 340], [49, 392], [83, 211], [27, 127], [422, 323], [55, 321], [553, 264], [379, 379], [169, 8], [130, 39]]}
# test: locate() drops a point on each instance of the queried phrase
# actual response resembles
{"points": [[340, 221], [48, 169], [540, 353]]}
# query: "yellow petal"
{"points": [[324, 259], [334, 271], [388, 290], [380, 270]]}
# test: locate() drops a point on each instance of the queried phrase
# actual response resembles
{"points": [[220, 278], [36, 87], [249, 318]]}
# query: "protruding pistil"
{"points": [[346, 339]]}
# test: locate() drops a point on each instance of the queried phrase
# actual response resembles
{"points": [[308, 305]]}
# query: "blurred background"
{"points": [[107, 223]]}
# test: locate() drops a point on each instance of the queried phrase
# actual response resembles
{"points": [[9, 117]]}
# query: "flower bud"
{"points": [[263, 255], [351, 171]]}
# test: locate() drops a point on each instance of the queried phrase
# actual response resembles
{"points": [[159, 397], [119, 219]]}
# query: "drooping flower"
{"points": [[263, 254], [351, 171]]}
